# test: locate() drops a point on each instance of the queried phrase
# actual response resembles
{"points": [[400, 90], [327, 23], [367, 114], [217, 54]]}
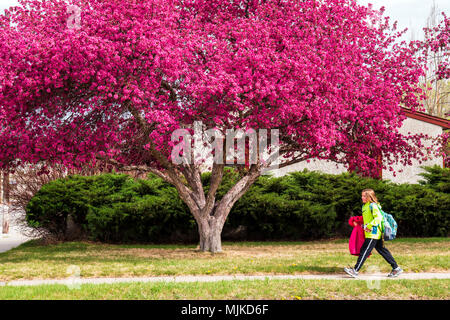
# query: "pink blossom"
{"points": [[330, 81]]}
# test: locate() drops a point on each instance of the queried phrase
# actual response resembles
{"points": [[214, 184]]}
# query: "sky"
{"points": [[411, 14]]}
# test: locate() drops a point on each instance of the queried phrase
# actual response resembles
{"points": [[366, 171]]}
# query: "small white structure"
{"points": [[415, 123], [11, 233]]}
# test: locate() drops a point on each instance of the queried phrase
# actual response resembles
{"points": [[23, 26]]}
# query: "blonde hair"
{"points": [[370, 194]]}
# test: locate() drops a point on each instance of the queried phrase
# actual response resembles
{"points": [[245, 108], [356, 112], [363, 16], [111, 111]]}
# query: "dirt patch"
{"points": [[257, 252]]}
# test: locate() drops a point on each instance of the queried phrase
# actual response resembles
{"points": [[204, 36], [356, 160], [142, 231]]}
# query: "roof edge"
{"points": [[444, 123]]}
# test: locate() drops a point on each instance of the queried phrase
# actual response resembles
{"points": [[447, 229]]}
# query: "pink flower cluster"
{"points": [[328, 74]]}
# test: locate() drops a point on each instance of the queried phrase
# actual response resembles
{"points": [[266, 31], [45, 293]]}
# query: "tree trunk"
{"points": [[210, 231], [210, 224]]}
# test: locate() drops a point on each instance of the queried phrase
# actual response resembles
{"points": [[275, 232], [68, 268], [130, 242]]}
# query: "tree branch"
{"points": [[216, 180], [185, 193], [144, 168]]}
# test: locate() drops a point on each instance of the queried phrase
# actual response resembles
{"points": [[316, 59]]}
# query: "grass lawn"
{"points": [[34, 261], [233, 290]]}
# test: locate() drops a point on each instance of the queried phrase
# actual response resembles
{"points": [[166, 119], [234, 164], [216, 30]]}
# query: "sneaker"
{"points": [[352, 272], [395, 272]]}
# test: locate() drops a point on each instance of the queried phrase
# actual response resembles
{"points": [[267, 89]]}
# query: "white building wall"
{"points": [[410, 174], [314, 165]]}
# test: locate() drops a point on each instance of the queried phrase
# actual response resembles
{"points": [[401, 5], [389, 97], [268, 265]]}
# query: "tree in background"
{"points": [[435, 50], [113, 80]]}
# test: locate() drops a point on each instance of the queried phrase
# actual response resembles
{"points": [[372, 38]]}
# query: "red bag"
{"points": [[357, 237]]}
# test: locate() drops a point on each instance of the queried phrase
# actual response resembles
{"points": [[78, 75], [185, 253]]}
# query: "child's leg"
{"points": [[366, 249], [386, 254]]}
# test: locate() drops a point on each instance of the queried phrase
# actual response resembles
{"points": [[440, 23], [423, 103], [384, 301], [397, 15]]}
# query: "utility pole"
{"points": [[1, 195], [5, 202]]}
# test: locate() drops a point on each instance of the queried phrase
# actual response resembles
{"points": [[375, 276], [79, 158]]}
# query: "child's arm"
{"points": [[356, 221], [359, 220], [377, 217]]}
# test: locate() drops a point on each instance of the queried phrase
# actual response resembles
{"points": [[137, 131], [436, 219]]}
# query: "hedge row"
{"points": [[299, 206]]}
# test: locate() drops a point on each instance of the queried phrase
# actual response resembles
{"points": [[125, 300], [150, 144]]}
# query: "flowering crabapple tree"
{"points": [[112, 81]]}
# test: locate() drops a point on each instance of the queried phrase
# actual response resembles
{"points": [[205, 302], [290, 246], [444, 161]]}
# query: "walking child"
{"points": [[372, 218]]}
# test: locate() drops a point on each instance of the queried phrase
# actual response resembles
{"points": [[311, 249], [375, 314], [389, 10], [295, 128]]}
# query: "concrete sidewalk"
{"points": [[11, 240], [368, 277]]}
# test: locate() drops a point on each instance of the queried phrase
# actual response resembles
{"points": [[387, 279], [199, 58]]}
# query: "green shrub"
{"points": [[300, 205], [418, 210], [436, 178], [312, 205], [112, 207], [52, 205], [157, 216]]}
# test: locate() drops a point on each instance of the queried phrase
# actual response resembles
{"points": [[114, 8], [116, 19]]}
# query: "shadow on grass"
{"points": [[87, 252]]}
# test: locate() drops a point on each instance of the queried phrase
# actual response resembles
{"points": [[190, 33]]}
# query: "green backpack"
{"points": [[388, 225]]}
